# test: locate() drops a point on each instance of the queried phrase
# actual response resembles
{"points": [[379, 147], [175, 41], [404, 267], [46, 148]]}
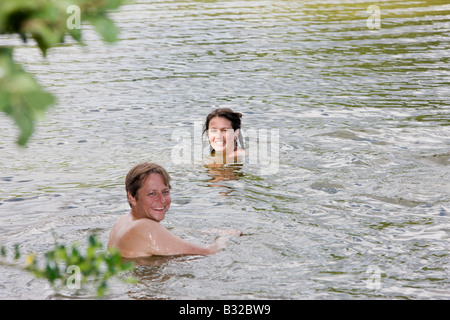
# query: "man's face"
{"points": [[153, 199]]}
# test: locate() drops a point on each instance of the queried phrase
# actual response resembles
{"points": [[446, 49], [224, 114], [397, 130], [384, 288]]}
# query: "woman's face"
{"points": [[221, 134]]}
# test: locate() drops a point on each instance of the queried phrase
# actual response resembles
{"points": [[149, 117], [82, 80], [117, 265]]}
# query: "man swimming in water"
{"points": [[139, 233]]}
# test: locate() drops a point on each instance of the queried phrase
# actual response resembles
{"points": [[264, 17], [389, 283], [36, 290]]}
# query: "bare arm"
{"points": [[160, 241]]}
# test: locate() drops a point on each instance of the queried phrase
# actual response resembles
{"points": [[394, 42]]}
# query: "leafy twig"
{"points": [[71, 267]]}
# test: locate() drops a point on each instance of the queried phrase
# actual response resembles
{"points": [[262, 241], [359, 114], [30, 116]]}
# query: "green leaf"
{"points": [[105, 27], [90, 262], [16, 251], [22, 97], [45, 21], [45, 36]]}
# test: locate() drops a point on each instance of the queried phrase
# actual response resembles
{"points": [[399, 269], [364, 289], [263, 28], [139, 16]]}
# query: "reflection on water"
{"points": [[363, 121], [223, 172]]}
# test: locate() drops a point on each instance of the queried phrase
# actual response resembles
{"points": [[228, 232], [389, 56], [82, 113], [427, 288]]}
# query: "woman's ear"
{"points": [[131, 199]]}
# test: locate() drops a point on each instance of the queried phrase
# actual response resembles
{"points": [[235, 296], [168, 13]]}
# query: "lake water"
{"points": [[355, 201]]}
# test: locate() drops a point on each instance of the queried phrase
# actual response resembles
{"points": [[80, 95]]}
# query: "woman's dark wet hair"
{"points": [[234, 117]]}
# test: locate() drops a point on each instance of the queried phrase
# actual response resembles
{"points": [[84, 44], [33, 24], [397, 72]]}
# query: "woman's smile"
{"points": [[221, 133]]}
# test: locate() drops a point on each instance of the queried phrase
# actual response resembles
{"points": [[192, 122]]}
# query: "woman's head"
{"points": [[139, 173], [223, 127], [233, 117]]}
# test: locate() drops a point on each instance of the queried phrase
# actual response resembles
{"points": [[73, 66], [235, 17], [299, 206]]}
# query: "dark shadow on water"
{"points": [[158, 261], [151, 273]]}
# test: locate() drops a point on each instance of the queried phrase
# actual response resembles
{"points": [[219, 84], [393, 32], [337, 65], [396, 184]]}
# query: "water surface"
{"points": [[364, 151]]}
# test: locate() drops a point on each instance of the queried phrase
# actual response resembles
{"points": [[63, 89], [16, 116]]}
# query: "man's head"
{"points": [[148, 191]]}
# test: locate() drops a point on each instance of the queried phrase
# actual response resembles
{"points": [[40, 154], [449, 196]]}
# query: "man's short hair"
{"points": [[139, 173]]}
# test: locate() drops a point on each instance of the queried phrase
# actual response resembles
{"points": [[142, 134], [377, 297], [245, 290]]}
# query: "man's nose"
{"points": [[161, 199]]}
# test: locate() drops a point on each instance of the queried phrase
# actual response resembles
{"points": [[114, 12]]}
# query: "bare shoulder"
{"points": [[144, 226], [126, 224], [130, 236], [241, 152]]}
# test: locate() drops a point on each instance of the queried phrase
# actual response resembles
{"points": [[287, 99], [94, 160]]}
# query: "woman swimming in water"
{"points": [[224, 130]]}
